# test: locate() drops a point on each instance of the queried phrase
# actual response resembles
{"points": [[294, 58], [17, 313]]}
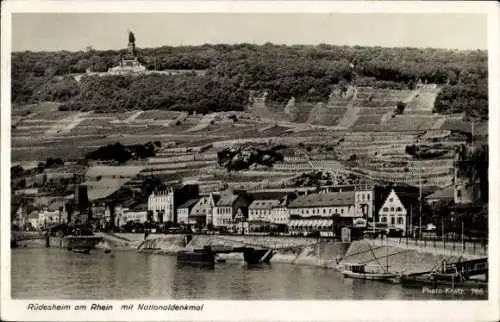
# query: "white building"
{"points": [[226, 209], [161, 203], [364, 202], [324, 205], [316, 211], [203, 210], [47, 218], [135, 216], [280, 215], [397, 210], [261, 210], [184, 212]]}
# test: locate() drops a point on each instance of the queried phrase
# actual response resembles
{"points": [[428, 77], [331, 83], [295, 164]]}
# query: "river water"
{"points": [[50, 273]]}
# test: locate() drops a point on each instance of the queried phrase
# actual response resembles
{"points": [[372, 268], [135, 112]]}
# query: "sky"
{"points": [[76, 31]]}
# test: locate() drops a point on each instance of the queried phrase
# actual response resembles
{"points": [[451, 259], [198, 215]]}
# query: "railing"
{"points": [[472, 247]]}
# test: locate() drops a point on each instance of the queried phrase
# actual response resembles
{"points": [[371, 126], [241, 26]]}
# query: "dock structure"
{"points": [[207, 255]]}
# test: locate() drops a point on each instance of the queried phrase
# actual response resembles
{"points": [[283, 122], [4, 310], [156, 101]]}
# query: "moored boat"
{"points": [[198, 257], [363, 271], [433, 281], [81, 250]]}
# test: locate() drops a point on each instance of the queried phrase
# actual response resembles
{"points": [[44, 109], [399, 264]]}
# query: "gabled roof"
{"points": [[189, 204], [264, 204], [345, 198], [408, 200], [443, 194], [226, 199]]}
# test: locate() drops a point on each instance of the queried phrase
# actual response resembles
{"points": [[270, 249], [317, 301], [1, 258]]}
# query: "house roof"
{"points": [[139, 207], [264, 204], [268, 195], [345, 198], [189, 204], [408, 200], [226, 199], [443, 194]]}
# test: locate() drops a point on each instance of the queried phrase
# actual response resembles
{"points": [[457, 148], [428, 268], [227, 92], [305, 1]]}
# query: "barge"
{"points": [[207, 256], [199, 257]]}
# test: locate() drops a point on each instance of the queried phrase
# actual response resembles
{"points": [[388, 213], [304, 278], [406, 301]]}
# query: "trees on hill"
{"points": [[307, 73]]}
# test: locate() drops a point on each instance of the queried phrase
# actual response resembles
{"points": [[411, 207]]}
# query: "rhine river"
{"points": [[51, 273]]}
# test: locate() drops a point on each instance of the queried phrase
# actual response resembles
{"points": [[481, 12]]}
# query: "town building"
{"points": [[398, 209], [260, 214], [184, 212], [231, 207], [137, 213], [316, 212], [163, 202], [203, 210]]}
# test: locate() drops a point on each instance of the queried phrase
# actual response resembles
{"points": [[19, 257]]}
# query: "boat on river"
{"points": [[448, 275], [363, 271], [81, 250], [370, 272], [204, 257]]}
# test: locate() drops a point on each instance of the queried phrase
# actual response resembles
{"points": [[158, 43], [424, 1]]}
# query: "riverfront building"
{"points": [[231, 207], [397, 210], [203, 210], [316, 212], [184, 212], [161, 203]]}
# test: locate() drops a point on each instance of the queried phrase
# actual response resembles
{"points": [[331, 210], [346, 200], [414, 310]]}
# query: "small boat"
{"points": [[363, 271], [81, 250], [372, 272], [435, 282]]}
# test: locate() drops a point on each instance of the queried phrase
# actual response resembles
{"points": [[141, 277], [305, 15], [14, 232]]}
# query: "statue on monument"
{"points": [[131, 37]]}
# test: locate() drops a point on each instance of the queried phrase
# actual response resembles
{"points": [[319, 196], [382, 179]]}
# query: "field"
{"points": [[372, 148]]}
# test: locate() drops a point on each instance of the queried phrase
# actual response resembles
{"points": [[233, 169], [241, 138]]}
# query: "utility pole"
{"points": [[420, 201]]}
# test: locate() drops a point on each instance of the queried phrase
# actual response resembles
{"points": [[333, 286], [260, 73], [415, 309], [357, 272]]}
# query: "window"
{"points": [[324, 211], [392, 208], [342, 210], [368, 197], [399, 209], [386, 209], [383, 219], [392, 220], [391, 199], [330, 211], [459, 193], [400, 220]]}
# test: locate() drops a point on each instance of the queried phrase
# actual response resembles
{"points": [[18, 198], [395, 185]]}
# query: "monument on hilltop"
{"points": [[129, 62]]}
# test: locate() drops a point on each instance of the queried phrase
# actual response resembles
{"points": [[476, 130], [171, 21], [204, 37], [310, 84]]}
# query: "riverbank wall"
{"points": [[304, 251], [399, 259]]}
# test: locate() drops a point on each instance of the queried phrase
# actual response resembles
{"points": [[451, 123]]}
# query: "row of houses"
{"points": [[298, 210], [314, 209]]}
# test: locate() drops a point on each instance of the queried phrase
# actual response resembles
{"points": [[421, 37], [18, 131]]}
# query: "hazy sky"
{"points": [[67, 31]]}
